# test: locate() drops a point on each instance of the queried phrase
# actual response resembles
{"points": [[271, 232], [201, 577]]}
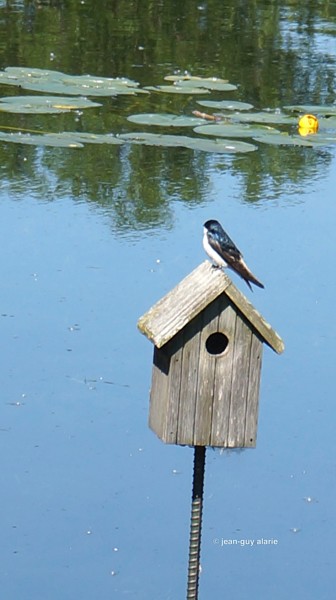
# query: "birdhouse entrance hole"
{"points": [[217, 343]]}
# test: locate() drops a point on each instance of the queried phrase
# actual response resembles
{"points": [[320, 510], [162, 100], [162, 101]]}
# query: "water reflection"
{"points": [[137, 184], [274, 51]]}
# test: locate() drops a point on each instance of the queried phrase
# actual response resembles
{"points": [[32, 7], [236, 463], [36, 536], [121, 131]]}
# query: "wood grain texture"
{"points": [[223, 377], [189, 381], [173, 400], [239, 384], [270, 336], [252, 407], [194, 293], [206, 377], [165, 390], [159, 392], [168, 316]]}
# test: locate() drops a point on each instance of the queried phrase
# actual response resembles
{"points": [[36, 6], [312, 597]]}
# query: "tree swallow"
{"points": [[224, 253]]}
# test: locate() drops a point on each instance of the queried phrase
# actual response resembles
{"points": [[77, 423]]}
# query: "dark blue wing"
{"points": [[225, 247]]}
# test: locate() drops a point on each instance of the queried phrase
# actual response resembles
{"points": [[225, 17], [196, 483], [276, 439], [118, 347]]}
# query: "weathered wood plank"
{"points": [[189, 382], [164, 395], [170, 314], [174, 385], [159, 392], [250, 438], [239, 387], [205, 387], [256, 319], [223, 376]]}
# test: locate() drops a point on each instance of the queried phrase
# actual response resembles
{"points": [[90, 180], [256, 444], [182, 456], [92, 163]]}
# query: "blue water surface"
{"points": [[93, 504]]}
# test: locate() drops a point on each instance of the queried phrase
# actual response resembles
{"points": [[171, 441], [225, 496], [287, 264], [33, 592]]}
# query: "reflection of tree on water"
{"points": [[273, 172], [272, 52], [136, 184]]}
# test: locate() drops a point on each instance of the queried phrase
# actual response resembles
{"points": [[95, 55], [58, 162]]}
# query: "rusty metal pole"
{"points": [[196, 523]]}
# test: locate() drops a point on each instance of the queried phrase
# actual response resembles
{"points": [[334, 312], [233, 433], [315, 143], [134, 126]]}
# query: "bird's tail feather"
{"points": [[256, 282], [248, 276]]}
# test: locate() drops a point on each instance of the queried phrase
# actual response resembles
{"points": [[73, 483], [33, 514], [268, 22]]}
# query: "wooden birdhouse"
{"points": [[208, 342]]}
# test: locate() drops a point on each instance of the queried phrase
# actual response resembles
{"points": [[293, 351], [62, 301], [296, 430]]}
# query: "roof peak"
{"points": [[190, 297]]}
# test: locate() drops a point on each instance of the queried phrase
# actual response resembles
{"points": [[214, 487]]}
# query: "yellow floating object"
{"points": [[308, 124]]}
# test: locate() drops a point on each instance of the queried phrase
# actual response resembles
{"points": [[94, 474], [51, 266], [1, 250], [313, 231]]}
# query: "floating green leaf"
{"points": [[327, 123], [44, 80], [176, 89], [225, 104], [282, 139], [93, 138], [92, 81], [20, 75], [50, 139], [235, 130], [264, 117], [165, 120], [216, 145], [67, 139], [66, 87], [187, 77], [315, 109], [209, 84], [321, 139], [43, 104], [32, 72], [22, 109], [258, 117]]}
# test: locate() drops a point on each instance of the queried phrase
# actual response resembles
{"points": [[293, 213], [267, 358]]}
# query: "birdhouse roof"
{"points": [[191, 296]]}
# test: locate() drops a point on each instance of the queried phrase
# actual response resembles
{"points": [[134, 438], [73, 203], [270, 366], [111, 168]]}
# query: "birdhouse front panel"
{"points": [[205, 381]]}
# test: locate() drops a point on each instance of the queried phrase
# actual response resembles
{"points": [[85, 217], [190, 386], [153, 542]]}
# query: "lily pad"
{"points": [[282, 139], [32, 72], [92, 81], [19, 75], [187, 77], [322, 139], [47, 81], [66, 139], [66, 87], [208, 84], [50, 139], [235, 130], [21, 109], [43, 104], [264, 117], [316, 139], [92, 138], [176, 89], [320, 109], [327, 123], [225, 104], [216, 145], [165, 120]]}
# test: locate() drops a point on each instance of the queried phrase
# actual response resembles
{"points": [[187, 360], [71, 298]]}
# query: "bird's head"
{"points": [[212, 227]]}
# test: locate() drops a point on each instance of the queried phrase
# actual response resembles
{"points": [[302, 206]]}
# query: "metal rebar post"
{"points": [[196, 523]]}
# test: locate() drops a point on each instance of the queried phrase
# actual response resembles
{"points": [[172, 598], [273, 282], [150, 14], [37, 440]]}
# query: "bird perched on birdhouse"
{"points": [[224, 253]]}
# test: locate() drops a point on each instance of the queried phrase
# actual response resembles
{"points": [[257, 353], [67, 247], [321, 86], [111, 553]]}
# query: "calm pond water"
{"points": [[93, 505]]}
